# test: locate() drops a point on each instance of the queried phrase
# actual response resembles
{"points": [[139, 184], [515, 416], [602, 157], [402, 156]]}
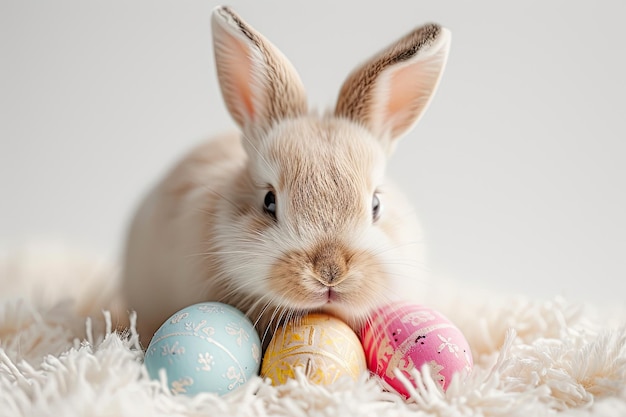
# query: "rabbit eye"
{"points": [[269, 204], [377, 207]]}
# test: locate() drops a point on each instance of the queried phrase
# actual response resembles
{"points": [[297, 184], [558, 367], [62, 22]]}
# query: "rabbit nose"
{"points": [[330, 264]]}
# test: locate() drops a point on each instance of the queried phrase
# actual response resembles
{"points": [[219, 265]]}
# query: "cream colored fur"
{"points": [[202, 232]]}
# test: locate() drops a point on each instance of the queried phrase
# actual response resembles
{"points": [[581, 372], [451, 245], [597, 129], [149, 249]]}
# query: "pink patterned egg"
{"points": [[405, 336]]}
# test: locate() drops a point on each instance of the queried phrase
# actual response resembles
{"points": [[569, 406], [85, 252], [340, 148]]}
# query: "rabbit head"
{"points": [[315, 223]]}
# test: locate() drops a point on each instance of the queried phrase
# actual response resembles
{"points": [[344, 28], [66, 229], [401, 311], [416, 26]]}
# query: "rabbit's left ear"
{"points": [[390, 92]]}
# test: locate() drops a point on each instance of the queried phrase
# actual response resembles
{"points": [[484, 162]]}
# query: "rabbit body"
{"points": [[293, 214]]}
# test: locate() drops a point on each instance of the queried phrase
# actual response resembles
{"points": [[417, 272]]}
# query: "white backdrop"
{"points": [[517, 169]]}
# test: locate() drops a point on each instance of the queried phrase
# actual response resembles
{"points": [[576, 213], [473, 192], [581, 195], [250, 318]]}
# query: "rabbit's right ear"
{"points": [[259, 85], [390, 92]]}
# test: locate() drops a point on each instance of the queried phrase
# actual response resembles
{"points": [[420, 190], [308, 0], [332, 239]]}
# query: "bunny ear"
{"points": [[259, 85], [390, 92]]}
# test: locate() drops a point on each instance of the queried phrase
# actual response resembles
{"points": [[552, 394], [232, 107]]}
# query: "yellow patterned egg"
{"points": [[323, 346]]}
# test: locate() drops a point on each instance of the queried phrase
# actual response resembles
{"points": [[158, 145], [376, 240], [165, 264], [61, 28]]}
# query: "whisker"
{"points": [[267, 164], [220, 195], [257, 259]]}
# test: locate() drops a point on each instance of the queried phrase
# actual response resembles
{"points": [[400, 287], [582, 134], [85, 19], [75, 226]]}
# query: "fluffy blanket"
{"points": [[60, 356]]}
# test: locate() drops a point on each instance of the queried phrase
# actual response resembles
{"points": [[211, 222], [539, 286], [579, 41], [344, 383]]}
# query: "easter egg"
{"points": [[406, 336], [206, 347], [325, 347]]}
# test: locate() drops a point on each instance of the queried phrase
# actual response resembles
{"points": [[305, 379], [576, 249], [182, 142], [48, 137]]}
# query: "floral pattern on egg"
{"points": [[206, 347], [405, 336]]}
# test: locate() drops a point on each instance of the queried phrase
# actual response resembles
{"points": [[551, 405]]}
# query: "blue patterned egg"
{"points": [[206, 347]]}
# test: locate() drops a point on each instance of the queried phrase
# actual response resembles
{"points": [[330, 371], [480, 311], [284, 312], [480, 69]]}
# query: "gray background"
{"points": [[516, 169]]}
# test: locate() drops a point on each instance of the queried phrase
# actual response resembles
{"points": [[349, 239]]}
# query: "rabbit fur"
{"points": [[294, 213]]}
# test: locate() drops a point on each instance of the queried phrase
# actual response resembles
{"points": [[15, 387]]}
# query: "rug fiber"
{"points": [[59, 356]]}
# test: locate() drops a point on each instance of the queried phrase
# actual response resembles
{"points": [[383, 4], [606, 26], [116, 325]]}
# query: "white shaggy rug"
{"points": [[532, 358]]}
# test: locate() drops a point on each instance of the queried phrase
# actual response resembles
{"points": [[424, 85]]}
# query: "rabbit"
{"points": [[293, 214]]}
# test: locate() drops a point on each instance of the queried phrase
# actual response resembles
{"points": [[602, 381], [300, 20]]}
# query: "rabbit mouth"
{"points": [[319, 298], [331, 295], [330, 278], [326, 296]]}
